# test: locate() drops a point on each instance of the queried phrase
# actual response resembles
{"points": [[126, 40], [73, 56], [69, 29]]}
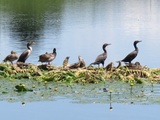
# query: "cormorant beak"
{"points": [[33, 43]]}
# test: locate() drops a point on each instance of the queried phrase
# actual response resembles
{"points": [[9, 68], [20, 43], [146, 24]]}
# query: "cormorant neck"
{"points": [[29, 47], [104, 49], [135, 46]]}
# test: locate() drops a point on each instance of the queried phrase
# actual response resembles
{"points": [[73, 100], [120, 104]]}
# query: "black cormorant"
{"points": [[23, 57], [102, 57], [133, 54], [13, 56], [48, 57]]}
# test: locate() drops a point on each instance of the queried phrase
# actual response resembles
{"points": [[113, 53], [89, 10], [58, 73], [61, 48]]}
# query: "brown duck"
{"points": [[78, 64], [13, 56], [82, 63], [48, 57], [65, 62]]}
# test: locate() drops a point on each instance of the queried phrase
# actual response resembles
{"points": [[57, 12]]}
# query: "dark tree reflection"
{"points": [[28, 17]]}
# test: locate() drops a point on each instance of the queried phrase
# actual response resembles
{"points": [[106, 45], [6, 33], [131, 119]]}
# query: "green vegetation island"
{"points": [[133, 74]]}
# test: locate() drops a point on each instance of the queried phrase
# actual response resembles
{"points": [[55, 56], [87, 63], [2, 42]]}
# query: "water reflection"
{"points": [[27, 19], [110, 97], [82, 27]]}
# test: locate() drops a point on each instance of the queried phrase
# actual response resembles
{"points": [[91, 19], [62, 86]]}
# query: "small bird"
{"points": [[102, 57], [48, 57], [23, 57], [13, 56], [44, 57], [133, 54], [65, 62], [78, 64], [109, 67], [82, 63]]}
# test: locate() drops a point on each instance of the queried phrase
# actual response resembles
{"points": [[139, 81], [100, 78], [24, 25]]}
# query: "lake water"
{"points": [[63, 109], [87, 102], [80, 28], [77, 27]]}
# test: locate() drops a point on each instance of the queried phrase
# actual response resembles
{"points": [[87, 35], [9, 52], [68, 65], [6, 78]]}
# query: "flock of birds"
{"points": [[49, 57]]}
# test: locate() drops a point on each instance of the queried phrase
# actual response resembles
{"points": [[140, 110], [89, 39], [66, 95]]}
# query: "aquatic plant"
{"points": [[80, 75], [22, 88]]}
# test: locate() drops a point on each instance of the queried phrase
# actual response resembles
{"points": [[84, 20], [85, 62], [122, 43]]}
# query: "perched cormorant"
{"points": [[48, 57], [82, 63], [78, 64], [13, 56], [65, 62], [23, 57], [133, 54], [102, 57]]}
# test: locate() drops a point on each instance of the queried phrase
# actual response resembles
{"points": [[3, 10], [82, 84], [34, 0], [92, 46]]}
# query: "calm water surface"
{"points": [[87, 102], [80, 28], [63, 109]]}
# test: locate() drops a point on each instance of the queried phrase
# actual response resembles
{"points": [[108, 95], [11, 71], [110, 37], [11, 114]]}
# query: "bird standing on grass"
{"points": [[48, 57], [82, 62], [133, 54], [79, 64], [102, 57], [13, 56], [23, 57], [65, 62]]}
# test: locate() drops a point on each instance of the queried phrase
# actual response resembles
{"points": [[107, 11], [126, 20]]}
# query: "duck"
{"points": [[65, 62], [48, 57], [78, 64], [12, 57]]}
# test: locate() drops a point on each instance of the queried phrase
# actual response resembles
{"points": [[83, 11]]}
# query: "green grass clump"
{"points": [[79, 75]]}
